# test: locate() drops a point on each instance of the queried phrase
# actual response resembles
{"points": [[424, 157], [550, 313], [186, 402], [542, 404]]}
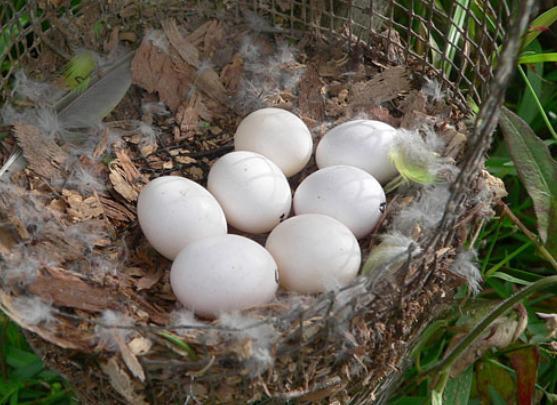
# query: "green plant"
{"points": [[23, 377]]}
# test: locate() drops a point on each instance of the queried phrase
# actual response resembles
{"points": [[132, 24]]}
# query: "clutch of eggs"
{"points": [[315, 251]]}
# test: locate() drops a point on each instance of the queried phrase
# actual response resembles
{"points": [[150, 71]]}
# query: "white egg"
{"points": [[345, 193], [314, 253], [278, 135], [173, 211], [223, 273], [364, 144], [252, 190]]}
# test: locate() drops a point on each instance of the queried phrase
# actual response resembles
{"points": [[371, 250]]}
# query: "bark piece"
{"points": [[64, 289], [385, 86], [42, 154]]}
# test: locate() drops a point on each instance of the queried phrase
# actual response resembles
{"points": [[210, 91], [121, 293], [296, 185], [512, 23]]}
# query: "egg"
{"points": [[364, 144], [345, 193], [278, 135], [174, 211], [223, 273], [252, 190], [314, 253]]}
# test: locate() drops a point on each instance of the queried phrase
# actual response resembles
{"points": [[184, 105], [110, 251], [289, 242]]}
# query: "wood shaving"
{"points": [[385, 86]]}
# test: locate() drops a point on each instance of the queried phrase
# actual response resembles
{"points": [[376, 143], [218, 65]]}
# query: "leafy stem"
{"points": [[530, 235], [443, 366]]}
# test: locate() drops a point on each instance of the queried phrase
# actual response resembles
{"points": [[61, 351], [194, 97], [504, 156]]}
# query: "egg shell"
{"points": [[364, 144], [278, 135], [223, 273], [345, 193], [252, 190], [314, 253], [174, 211]]}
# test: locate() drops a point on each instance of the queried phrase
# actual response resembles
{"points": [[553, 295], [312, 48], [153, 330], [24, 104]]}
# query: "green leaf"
{"points": [[538, 58], [537, 170], [540, 24], [494, 383], [525, 362], [510, 279], [457, 391]]}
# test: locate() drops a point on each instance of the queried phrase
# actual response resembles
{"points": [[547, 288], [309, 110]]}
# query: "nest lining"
{"points": [[73, 251]]}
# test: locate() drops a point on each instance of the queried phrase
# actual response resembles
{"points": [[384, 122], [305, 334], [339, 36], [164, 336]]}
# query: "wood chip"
{"points": [[311, 101], [129, 358], [43, 155], [149, 280], [116, 211], [122, 382], [186, 50], [140, 345], [385, 86], [125, 177], [79, 208]]}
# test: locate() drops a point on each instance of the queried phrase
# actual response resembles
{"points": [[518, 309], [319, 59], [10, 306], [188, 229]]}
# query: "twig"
{"points": [[529, 234]]}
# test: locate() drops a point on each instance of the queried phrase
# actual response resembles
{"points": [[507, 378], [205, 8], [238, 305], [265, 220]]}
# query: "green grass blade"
{"points": [[538, 103], [457, 26], [538, 58], [540, 24], [507, 259]]}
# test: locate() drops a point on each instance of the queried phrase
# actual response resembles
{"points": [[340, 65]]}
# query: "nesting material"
{"points": [[77, 271]]}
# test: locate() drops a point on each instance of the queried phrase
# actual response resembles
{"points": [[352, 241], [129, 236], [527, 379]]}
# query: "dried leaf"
{"points": [[42, 154], [525, 362], [500, 334]]}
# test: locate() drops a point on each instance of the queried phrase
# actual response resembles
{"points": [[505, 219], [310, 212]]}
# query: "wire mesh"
{"points": [[456, 40]]}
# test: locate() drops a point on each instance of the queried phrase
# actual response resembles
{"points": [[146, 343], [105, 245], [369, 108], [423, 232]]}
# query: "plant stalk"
{"points": [[445, 364]]}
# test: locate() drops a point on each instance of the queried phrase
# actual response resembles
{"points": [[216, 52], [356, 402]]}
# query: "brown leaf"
{"points": [[525, 362], [502, 332], [42, 154]]}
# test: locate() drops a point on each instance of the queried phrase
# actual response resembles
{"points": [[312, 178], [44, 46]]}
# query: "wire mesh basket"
{"points": [[348, 345]]}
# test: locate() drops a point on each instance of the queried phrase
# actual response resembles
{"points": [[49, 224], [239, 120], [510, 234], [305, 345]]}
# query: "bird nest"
{"points": [[80, 278]]}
